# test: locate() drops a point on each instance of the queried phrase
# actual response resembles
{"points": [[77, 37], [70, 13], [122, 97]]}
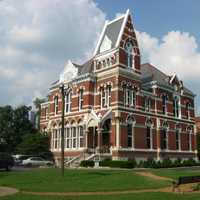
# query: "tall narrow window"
{"points": [[163, 138], [74, 137], [147, 104], [133, 98], [177, 134], [176, 107], [80, 99], [67, 138], [81, 139], [148, 137], [108, 96], [164, 104], [187, 110], [56, 105], [130, 135], [103, 98], [68, 102], [129, 54]]}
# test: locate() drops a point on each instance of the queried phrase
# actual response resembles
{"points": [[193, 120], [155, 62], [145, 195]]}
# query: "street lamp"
{"points": [[62, 128]]}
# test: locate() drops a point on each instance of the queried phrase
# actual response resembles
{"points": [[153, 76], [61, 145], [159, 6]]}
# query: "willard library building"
{"points": [[117, 107]]}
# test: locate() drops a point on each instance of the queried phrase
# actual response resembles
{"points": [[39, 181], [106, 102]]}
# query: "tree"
{"points": [[37, 102], [14, 124], [35, 144]]}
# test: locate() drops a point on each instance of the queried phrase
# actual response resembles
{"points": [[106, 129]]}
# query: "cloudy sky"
{"points": [[38, 37]]}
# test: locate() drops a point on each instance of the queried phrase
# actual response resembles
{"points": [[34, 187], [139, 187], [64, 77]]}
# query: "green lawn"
{"points": [[142, 196], [50, 180], [175, 173]]}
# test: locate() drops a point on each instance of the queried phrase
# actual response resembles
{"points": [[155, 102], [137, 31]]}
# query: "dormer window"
{"points": [[129, 54]]}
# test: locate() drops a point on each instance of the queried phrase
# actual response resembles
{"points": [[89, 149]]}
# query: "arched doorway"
{"points": [[106, 136]]}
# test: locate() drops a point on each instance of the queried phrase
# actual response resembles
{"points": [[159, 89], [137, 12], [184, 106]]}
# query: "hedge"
{"points": [[150, 163]]}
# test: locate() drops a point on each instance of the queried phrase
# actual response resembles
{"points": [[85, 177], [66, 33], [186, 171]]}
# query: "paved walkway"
{"points": [[4, 191]]}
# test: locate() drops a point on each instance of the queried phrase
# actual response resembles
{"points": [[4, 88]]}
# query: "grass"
{"points": [[176, 173], [50, 180], [141, 196]]}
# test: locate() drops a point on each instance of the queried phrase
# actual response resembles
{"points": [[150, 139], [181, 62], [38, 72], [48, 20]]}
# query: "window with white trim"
{"points": [[148, 137], [176, 106], [130, 135], [129, 54], [189, 138], [67, 138], [164, 104], [80, 99], [56, 105], [177, 139], [129, 97], [81, 138], [74, 137], [147, 104], [106, 96], [68, 102], [164, 138], [187, 110]]}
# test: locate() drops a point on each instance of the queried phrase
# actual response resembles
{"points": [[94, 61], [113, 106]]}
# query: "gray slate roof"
{"points": [[150, 73], [112, 32]]}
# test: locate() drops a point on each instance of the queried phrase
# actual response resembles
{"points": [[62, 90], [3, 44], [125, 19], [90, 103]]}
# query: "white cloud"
{"points": [[37, 38], [177, 52]]}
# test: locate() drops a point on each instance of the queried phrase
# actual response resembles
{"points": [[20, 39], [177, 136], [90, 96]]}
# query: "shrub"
{"points": [[118, 164], [87, 163]]}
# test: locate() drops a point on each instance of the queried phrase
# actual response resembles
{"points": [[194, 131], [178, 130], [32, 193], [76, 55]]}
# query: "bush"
{"points": [[87, 163], [6, 161], [119, 164]]}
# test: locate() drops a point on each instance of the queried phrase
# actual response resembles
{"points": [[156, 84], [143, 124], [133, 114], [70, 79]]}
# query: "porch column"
{"points": [[86, 138], [158, 138], [99, 139], [117, 132]]}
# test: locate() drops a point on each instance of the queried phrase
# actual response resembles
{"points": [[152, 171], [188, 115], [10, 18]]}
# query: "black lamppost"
{"points": [[62, 128]]}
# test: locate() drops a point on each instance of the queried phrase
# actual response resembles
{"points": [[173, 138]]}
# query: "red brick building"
{"points": [[197, 120], [118, 107]]}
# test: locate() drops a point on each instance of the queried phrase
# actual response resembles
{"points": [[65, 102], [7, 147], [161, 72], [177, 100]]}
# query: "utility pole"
{"points": [[62, 128]]}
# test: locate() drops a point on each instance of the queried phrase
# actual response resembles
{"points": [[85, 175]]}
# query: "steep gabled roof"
{"points": [[112, 33], [150, 73]]}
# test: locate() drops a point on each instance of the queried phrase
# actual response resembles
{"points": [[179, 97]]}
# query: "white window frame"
{"points": [[81, 99], [56, 105], [68, 102]]}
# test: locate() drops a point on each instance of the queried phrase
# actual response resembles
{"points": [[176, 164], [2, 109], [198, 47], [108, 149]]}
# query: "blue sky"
{"points": [[38, 38], [158, 17]]}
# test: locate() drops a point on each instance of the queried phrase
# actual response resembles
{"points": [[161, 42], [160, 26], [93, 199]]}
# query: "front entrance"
{"points": [[106, 136]]}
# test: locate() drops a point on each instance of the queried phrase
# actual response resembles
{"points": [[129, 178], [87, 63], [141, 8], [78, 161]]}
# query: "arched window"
{"points": [[68, 139], [129, 54], [74, 136]]}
